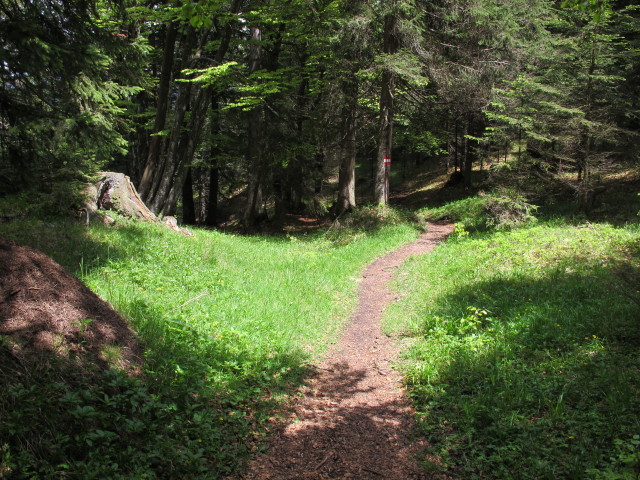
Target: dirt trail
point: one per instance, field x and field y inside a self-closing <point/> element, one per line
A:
<point x="354" y="419"/>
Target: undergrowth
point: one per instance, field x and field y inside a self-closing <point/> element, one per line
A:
<point x="502" y="209"/>
<point x="229" y="324"/>
<point x="524" y="349"/>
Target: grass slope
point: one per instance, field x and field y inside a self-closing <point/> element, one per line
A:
<point x="524" y="358"/>
<point x="229" y="324"/>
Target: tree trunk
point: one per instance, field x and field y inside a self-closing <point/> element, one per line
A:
<point x="183" y="142"/>
<point x="587" y="139"/>
<point x="188" y="206"/>
<point x="190" y="139"/>
<point x="164" y="172"/>
<point x="215" y="129"/>
<point x="212" y="202"/>
<point x="386" y="113"/>
<point x="347" y="178"/>
<point x="114" y="191"/>
<point x="254" y="208"/>
<point x="468" y="159"/>
<point x="456" y="158"/>
<point x="162" y="105"/>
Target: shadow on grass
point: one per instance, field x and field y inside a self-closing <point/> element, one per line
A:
<point x="198" y="409"/>
<point x="538" y="380"/>
<point x="74" y="246"/>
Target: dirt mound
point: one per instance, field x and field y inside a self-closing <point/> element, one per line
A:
<point x="46" y="310"/>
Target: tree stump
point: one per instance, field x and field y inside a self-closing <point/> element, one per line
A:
<point x="114" y="191"/>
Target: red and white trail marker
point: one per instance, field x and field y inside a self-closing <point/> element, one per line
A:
<point x="387" y="160"/>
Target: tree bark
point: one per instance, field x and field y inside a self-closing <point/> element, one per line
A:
<point x="163" y="173"/>
<point x="468" y="158"/>
<point x="212" y="202"/>
<point x="386" y="113"/>
<point x="114" y="191"/>
<point x="190" y="139"/>
<point x="254" y="208"/>
<point x="188" y="206"/>
<point x="347" y="179"/>
<point x="162" y="106"/>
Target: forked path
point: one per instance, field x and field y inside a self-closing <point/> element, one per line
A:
<point x="354" y="419"/>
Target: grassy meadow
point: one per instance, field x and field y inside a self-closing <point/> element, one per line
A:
<point x="523" y="355"/>
<point x="229" y="324"/>
<point x="521" y="339"/>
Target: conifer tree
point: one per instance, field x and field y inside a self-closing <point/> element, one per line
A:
<point x="64" y="79"/>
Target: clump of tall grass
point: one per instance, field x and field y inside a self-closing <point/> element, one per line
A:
<point x="502" y="209"/>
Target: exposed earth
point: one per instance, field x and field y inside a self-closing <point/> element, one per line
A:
<point x="47" y="312"/>
<point x="353" y="419"/>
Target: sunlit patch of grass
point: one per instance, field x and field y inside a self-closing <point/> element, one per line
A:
<point x="524" y="360"/>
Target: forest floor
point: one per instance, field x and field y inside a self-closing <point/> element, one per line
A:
<point x="352" y="418"/>
<point x="46" y="311"/>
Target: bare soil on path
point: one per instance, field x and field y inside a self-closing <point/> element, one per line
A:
<point x="354" y="420"/>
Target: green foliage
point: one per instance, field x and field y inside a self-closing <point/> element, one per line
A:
<point x="503" y="209"/>
<point x="63" y="93"/>
<point x="524" y="361"/>
<point x="364" y="220"/>
<point x="624" y="464"/>
<point x="210" y="75"/>
<point x="596" y="7"/>
<point x="565" y="116"/>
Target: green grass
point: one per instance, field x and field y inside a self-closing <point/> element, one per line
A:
<point x="229" y="324"/>
<point x="524" y="352"/>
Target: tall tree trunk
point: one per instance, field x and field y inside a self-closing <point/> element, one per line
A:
<point x="162" y="105"/>
<point x="212" y="201"/>
<point x="190" y="140"/>
<point x="468" y="158"/>
<point x="184" y="142"/>
<point x="385" y="143"/>
<point x="587" y="139"/>
<point x="164" y="177"/>
<point x="456" y="158"/>
<point x="188" y="205"/>
<point x="254" y="208"/>
<point x="215" y="128"/>
<point x="164" y="172"/>
<point x="347" y="178"/>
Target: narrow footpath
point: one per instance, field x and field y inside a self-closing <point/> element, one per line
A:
<point x="354" y="420"/>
